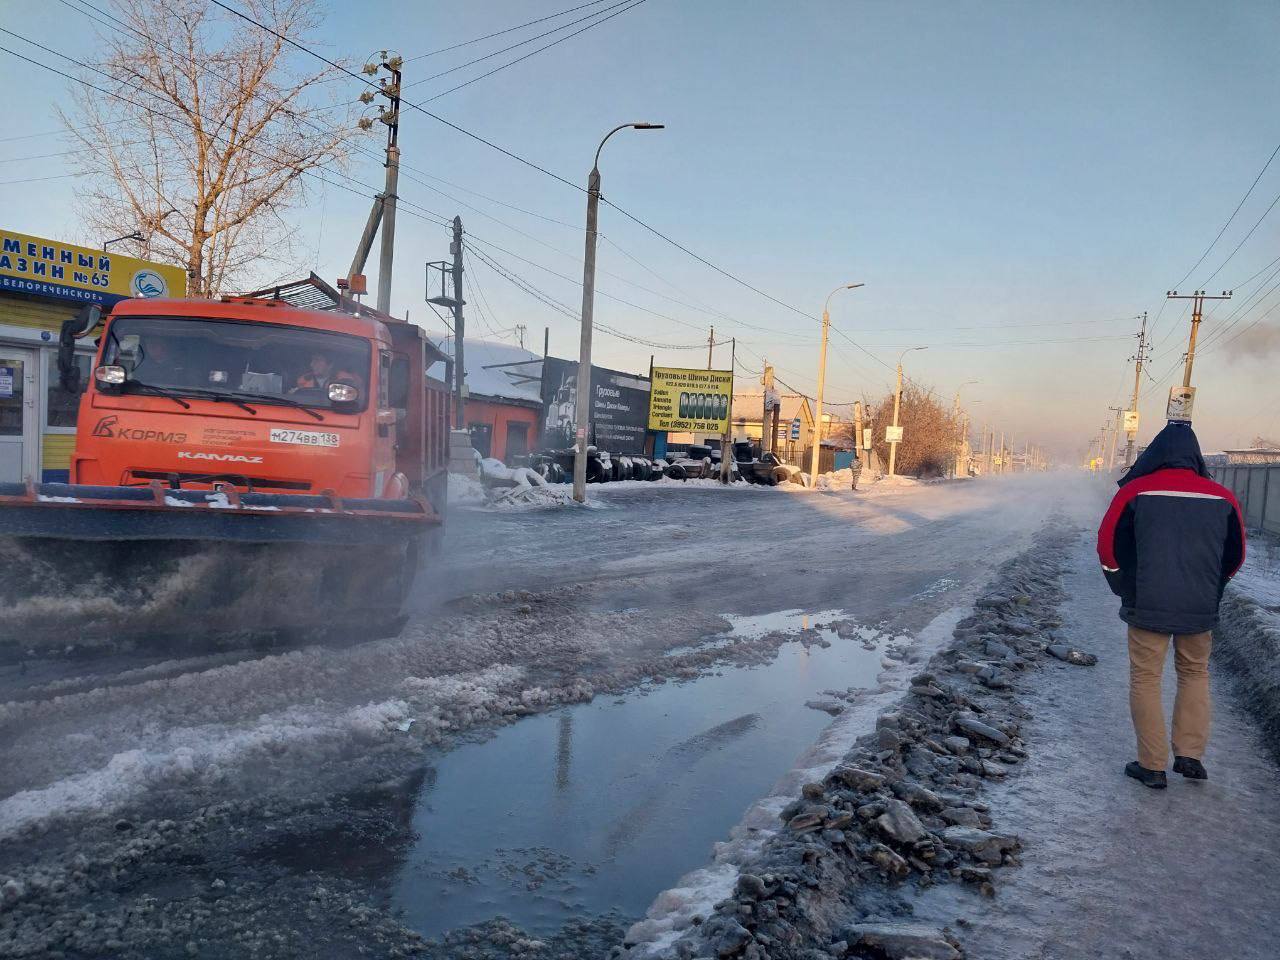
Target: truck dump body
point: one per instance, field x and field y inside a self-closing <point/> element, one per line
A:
<point x="241" y="467"/>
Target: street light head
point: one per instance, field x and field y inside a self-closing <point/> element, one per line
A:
<point x="854" y="286"/>
<point x="650" y="126"/>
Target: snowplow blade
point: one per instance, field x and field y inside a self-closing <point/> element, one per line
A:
<point x="88" y="566"/>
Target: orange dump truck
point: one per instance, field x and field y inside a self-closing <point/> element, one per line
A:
<point x="241" y="466"/>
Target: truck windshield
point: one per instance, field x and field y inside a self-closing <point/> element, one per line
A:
<point x="256" y="361"/>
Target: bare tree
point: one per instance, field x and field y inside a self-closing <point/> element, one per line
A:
<point x="930" y="431"/>
<point x="206" y="145"/>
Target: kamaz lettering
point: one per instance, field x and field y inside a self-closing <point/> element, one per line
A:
<point x="219" y="457"/>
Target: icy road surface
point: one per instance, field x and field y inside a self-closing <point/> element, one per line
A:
<point x="327" y="799"/>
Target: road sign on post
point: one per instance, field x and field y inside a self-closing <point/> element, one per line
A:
<point x="1131" y="422"/>
<point x="795" y="429"/>
<point x="893" y="434"/>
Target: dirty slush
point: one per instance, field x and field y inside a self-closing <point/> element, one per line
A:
<point x="905" y="809"/>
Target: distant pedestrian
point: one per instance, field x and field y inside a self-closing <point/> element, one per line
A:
<point x="856" y="468"/>
<point x="1169" y="543"/>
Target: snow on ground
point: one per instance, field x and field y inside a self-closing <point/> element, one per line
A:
<point x="1111" y="868"/>
<point x="531" y="609"/>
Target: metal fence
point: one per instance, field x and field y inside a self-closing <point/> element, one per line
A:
<point x="1257" y="487"/>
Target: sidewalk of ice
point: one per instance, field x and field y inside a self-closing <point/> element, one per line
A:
<point x="1111" y="868"/>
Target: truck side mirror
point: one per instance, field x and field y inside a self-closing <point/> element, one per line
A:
<point x="86" y="318"/>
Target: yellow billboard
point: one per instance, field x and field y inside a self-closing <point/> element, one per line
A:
<point x="685" y="400"/>
<point x="65" y="271"/>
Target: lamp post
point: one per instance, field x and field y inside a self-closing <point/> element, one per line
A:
<point x="963" y="428"/>
<point x="136" y="235"/>
<point x="582" y="401"/>
<point x="822" y="381"/>
<point x="897" y="403"/>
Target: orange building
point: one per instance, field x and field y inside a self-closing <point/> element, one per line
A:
<point x="502" y="398"/>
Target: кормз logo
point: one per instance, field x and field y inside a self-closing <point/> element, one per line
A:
<point x="103" y="427"/>
<point x="148" y="283"/>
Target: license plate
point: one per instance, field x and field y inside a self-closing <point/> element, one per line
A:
<point x="304" y="438"/>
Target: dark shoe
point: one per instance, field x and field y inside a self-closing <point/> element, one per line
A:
<point x="1190" y="767"/>
<point x="1155" y="779"/>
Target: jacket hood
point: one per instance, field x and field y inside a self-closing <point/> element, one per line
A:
<point x="1174" y="448"/>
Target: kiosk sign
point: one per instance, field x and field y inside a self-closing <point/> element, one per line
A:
<point x="49" y="268"/>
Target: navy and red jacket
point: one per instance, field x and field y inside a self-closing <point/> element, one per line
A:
<point x="1171" y="539"/>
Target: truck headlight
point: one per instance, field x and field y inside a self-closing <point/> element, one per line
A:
<point x="342" y="393"/>
<point x="110" y="376"/>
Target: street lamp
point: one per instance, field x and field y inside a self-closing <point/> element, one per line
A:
<point x="822" y="381"/>
<point x="582" y="402"/>
<point x="136" y="235"/>
<point x="897" y="403"/>
<point x="962" y="426"/>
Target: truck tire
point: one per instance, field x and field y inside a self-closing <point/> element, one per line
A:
<point x="677" y="472"/>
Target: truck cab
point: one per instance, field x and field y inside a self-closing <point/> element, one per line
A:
<point x="252" y="393"/>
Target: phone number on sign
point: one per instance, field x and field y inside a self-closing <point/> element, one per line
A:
<point x="306" y="438"/>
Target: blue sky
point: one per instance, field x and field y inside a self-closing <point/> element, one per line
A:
<point x="1011" y="181"/>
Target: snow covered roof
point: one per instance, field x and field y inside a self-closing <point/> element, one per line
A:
<point x="496" y="369"/>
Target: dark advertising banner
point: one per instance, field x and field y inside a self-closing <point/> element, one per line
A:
<point x="619" y="407"/>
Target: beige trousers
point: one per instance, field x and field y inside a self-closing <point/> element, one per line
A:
<point x="1191" y="708"/>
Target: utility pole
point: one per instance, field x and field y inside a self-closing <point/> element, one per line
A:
<point x="459" y="327"/>
<point x="711" y="342"/>
<point x="769" y="423"/>
<point x="897" y="404"/>
<point x="861" y="452"/>
<point x="1139" y="359"/>
<point x="383" y="213"/>
<point x="392" y="119"/>
<point x="726" y="444"/>
<point x="1115" y="433"/>
<point x="1197" y="299"/>
<point x="1002" y="456"/>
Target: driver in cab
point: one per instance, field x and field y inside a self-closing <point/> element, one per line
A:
<point x="165" y="361"/>
<point x="320" y="373"/>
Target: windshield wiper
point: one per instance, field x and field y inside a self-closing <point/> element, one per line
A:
<point x="287" y="401"/>
<point x="193" y="392"/>
<point x="159" y="392"/>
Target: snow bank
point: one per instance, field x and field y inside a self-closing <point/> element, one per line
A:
<point x="465" y="491"/>
<point x="1247" y="642"/>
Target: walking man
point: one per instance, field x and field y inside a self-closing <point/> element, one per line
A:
<point x="856" y="468"/>
<point x="1169" y="543"/>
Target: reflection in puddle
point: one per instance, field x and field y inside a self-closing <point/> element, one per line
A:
<point x="600" y="806"/>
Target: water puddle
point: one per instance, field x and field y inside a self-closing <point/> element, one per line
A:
<point x="600" y="806"/>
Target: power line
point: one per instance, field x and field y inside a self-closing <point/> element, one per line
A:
<point x="568" y="312"/>
<point x="60" y="176"/>
<point x="413" y="106"/>
<point x="499" y="33"/>
<point x="521" y="43"/>
<point x="1246" y="196"/>
<point x="149" y="109"/>
<point x="525" y="161"/>
<point x="512" y="63"/>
